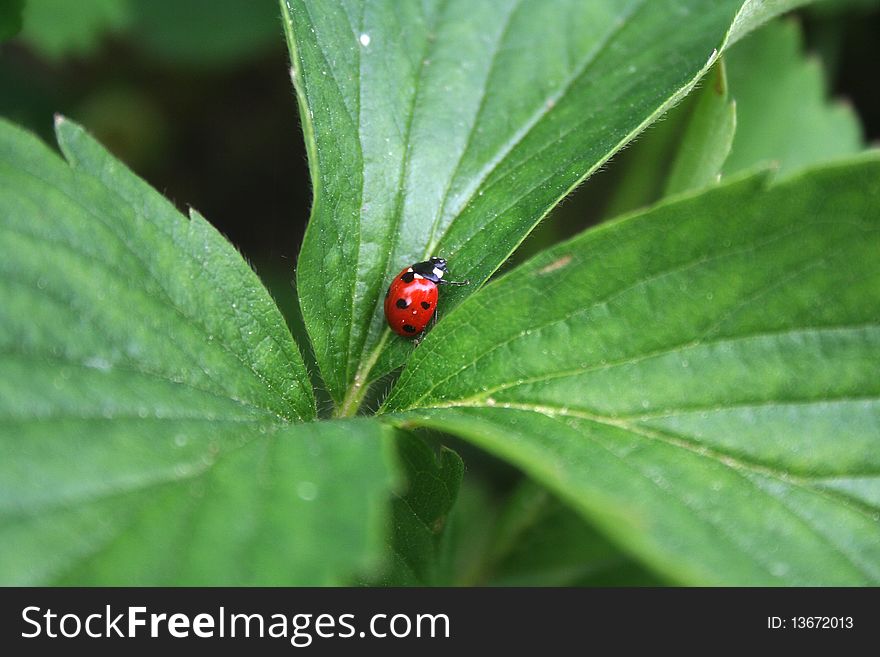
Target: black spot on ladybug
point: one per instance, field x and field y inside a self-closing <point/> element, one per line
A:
<point x="408" y="277"/>
<point x="409" y="329"/>
<point x="401" y="303"/>
<point x="425" y="305"/>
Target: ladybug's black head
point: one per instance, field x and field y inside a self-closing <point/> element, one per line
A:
<point x="432" y="269"/>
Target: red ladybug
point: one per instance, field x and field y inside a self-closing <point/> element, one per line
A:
<point x="411" y="299"/>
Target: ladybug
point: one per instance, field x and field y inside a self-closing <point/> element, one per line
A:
<point x="411" y="299"/>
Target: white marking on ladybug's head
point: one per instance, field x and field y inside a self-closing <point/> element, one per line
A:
<point x="409" y="268"/>
<point x="417" y="275"/>
<point x="438" y="272"/>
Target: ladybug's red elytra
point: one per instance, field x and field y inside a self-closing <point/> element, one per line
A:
<point x="411" y="299"/>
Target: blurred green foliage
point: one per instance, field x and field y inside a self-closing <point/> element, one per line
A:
<point x="10" y="17"/>
<point x="59" y="27"/>
<point x="192" y="32"/>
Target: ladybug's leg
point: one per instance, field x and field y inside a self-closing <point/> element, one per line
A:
<point x="443" y="282"/>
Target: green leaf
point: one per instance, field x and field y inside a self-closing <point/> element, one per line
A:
<point x="707" y="138"/>
<point x="755" y="13"/>
<point x="699" y="380"/>
<point x="468" y="534"/>
<point x="643" y="170"/>
<point x="787" y="120"/>
<point x="783" y="115"/>
<point x="188" y="493"/>
<point x="685" y="150"/>
<point x="10" y="18"/>
<point x="639" y="173"/>
<point x="542" y="542"/>
<point x="59" y="28"/>
<point x="451" y="128"/>
<point x="420" y="511"/>
<point x="147" y="384"/>
<point x="193" y="310"/>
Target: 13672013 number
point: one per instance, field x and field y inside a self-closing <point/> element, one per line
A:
<point x="821" y="622"/>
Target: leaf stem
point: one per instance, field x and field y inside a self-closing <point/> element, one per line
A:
<point x="354" y="396"/>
